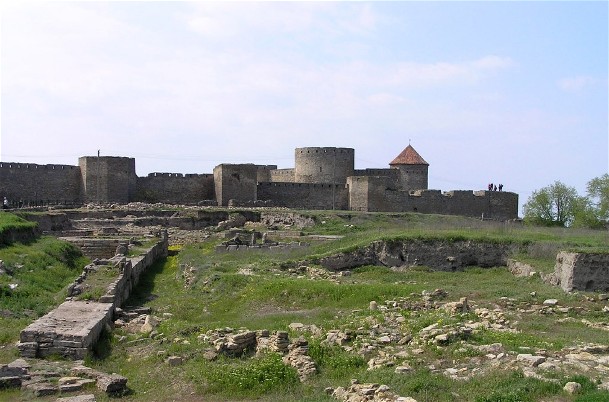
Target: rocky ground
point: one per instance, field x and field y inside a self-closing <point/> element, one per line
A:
<point x="383" y="336"/>
<point x="386" y="334"/>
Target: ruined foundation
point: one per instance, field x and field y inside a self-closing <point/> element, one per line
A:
<point x="73" y="328"/>
<point x="582" y="271"/>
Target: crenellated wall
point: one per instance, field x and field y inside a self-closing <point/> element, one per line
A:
<point x="30" y="183"/>
<point x="281" y="176"/>
<point x="323" y="177"/>
<point x="175" y="188"/>
<point x="374" y="193"/>
<point x="305" y="195"/>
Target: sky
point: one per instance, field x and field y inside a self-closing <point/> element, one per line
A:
<point x="504" y="92"/>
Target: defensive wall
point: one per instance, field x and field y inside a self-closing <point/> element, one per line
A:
<point x="323" y="178"/>
<point x="374" y="193"/>
<point x="32" y="183"/>
<point x="305" y="195"/>
<point x="281" y="175"/>
<point x="264" y="172"/>
<point x="175" y="188"/>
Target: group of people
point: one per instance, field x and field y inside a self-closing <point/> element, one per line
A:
<point x="494" y="187"/>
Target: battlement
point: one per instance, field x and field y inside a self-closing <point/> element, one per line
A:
<point x="325" y="150"/>
<point x="186" y="175"/>
<point x="283" y="172"/>
<point x="376" y="172"/>
<point x="267" y="167"/>
<point x="33" y="166"/>
<point x="323" y="165"/>
<point x="301" y="185"/>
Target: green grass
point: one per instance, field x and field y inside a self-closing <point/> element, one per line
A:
<point x="41" y="270"/>
<point x="220" y="295"/>
<point x="10" y="221"/>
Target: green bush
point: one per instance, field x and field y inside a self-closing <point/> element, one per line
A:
<point x="334" y="362"/>
<point x="251" y="378"/>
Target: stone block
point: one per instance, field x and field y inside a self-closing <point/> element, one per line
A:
<point x="112" y="383"/>
<point x="42" y="389"/>
<point x="10" y="382"/>
<point x="28" y="349"/>
<point x="78" y="398"/>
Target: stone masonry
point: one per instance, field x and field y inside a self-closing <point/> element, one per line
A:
<point x="323" y="178"/>
<point x="73" y="328"/>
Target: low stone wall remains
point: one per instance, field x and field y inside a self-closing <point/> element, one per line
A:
<point x="95" y="248"/>
<point x="74" y="327"/>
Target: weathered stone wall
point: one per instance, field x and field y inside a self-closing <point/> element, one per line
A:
<point x="175" y="188"/>
<point x="30" y="183"/>
<point x="235" y="182"/>
<point x="323" y="165"/>
<point x="370" y="193"/>
<point x="108" y="178"/>
<point x="281" y="176"/>
<point x="402" y="189"/>
<point x="264" y="172"/>
<point x="582" y="271"/>
<point x="305" y="195"/>
<point x="95" y="247"/>
<point x="488" y="204"/>
<point x="413" y="177"/>
<point x="132" y="269"/>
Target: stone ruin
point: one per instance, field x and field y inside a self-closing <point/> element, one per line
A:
<point x="582" y="271"/>
<point x="241" y="240"/>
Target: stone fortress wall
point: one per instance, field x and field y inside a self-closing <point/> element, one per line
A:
<point x="40" y="183"/>
<point x="323" y="178"/>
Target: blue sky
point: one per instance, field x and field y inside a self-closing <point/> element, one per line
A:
<point x="508" y="92"/>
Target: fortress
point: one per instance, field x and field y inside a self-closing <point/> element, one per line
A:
<point x="322" y="178"/>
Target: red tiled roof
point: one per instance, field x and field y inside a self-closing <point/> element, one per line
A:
<point x="408" y="157"/>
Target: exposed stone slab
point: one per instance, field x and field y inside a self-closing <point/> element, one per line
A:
<point x="70" y="330"/>
<point x="78" y="398"/>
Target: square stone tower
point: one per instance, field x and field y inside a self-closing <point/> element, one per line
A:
<point x="236" y="182"/>
<point x="108" y="178"/>
<point x="414" y="171"/>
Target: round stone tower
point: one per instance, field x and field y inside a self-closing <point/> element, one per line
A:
<point x="323" y="165"/>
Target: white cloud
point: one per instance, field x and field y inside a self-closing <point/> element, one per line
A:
<point x="227" y="20"/>
<point x="576" y="84"/>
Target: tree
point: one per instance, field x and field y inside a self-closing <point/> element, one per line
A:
<point x="554" y="205"/>
<point x="598" y="193"/>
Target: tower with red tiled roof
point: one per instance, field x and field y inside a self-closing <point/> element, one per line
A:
<point x="413" y="169"/>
